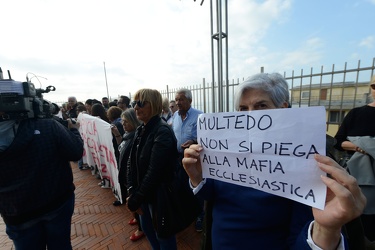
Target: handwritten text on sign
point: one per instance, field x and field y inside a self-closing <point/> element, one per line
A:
<point x="99" y="151"/>
<point x="269" y="150"/>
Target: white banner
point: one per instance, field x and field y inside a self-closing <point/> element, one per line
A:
<point x="269" y="150"/>
<point x="98" y="150"/>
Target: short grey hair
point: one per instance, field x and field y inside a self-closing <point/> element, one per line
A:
<point x="273" y="84"/>
<point x="73" y="98"/>
<point x="186" y="92"/>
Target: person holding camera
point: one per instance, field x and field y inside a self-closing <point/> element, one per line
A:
<point x="36" y="181"/>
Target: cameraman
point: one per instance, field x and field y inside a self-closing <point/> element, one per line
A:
<point x="36" y="181"/>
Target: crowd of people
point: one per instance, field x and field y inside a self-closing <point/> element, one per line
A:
<point x="155" y="140"/>
<point x="130" y="122"/>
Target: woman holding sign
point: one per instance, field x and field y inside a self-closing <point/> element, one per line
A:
<point x="246" y="218"/>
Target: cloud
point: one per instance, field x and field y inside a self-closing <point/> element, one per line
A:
<point x="368" y="42"/>
<point x="151" y="44"/>
<point x="309" y="53"/>
<point x="143" y="43"/>
<point x="249" y="23"/>
<point x="250" y="20"/>
<point x="251" y="60"/>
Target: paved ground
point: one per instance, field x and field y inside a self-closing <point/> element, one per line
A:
<point x="97" y="224"/>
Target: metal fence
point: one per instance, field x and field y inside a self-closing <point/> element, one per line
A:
<point x="204" y="93"/>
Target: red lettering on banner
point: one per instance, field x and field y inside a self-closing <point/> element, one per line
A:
<point x="91" y="128"/>
<point x="112" y="160"/>
<point x="98" y="149"/>
<point x="91" y="143"/>
<point x="94" y="129"/>
<point x="104" y="168"/>
<point x="103" y="151"/>
<point x="109" y="157"/>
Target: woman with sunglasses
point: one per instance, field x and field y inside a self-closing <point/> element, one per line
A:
<point x="360" y="122"/>
<point x="152" y="162"/>
<point x="246" y="218"/>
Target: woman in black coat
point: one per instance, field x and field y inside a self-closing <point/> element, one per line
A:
<point x="152" y="162"/>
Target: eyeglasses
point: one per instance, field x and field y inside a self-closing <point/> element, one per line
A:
<point x="139" y="103"/>
<point x="372" y="86"/>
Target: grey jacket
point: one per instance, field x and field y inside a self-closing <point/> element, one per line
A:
<point x="362" y="167"/>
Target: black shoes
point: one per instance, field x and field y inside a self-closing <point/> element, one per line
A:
<point x="117" y="203"/>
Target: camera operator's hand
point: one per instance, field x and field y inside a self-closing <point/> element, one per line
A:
<point x="73" y="124"/>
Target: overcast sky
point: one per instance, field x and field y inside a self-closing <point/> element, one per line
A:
<point x="155" y="43"/>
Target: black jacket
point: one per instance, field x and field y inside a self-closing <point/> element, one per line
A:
<point x="153" y="159"/>
<point x="36" y="176"/>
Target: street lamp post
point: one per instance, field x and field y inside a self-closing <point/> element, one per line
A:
<point x="106" y="83"/>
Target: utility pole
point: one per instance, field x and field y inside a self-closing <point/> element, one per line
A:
<point x="106" y="83"/>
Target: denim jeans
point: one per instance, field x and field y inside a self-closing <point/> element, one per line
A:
<point x="51" y="230"/>
<point x="80" y="163"/>
<point x="148" y="228"/>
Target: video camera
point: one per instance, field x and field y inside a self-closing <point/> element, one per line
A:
<point x="21" y="100"/>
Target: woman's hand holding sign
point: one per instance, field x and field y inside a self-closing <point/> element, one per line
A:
<point x="273" y="174"/>
<point x="344" y="202"/>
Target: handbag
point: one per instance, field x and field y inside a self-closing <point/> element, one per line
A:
<point x="175" y="209"/>
<point x="343" y="161"/>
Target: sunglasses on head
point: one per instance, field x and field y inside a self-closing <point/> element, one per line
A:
<point x="372" y="86"/>
<point x="139" y="103"/>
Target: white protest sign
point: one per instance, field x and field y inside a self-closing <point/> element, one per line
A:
<point x="269" y="150"/>
<point x="99" y="151"/>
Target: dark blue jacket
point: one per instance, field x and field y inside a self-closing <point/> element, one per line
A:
<point x="35" y="172"/>
<point x="246" y="218"/>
